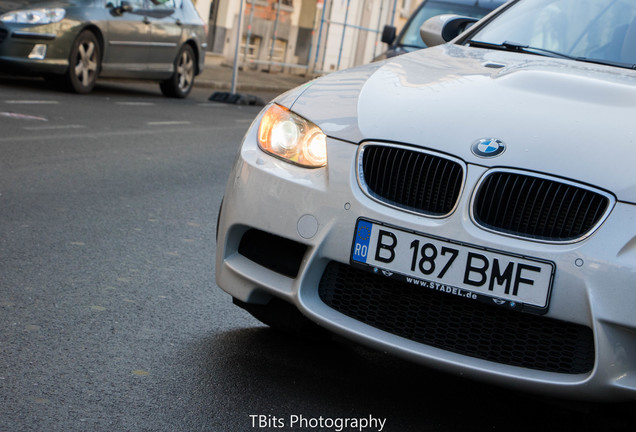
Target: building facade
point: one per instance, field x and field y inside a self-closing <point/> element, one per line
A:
<point x="315" y="36"/>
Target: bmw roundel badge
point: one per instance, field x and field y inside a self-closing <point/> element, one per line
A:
<point x="488" y="147"/>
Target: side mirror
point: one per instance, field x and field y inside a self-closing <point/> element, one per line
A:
<point x="388" y="34"/>
<point x="444" y="28"/>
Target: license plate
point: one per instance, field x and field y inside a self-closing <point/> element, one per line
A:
<point x="513" y="281"/>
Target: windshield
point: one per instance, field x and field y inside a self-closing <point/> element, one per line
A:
<point x="603" y="30"/>
<point x="411" y="36"/>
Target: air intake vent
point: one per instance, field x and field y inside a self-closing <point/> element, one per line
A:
<point x="459" y="325"/>
<point x="538" y="208"/>
<point x="410" y="179"/>
<point x="275" y="253"/>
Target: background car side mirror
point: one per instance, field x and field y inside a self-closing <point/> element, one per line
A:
<point x="388" y="34"/>
<point x="444" y="28"/>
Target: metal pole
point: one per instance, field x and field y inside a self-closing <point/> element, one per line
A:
<point x="353" y="26"/>
<point x="313" y="39"/>
<point x="344" y="30"/>
<point x="377" y="35"/>
<point x="327" y="34"/>
<point x="322" y="20"/>
<point x="249" y="32"/>
<point x="324" y="52"/>
<point x="236" y="48"/>
<point x="393" y="14"/>
<point x="271" y="51"/>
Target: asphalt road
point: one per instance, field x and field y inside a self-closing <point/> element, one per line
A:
<point x="110" y="319"/>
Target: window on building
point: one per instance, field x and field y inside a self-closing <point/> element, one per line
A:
<point x="253" y="48"/>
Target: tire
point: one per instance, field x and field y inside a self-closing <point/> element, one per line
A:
<point x="84" y="63"/>
<point x="182" y="80"/>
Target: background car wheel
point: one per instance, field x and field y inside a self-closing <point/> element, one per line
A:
<point x="181" y="81"/>
<point x="84" y="63"/>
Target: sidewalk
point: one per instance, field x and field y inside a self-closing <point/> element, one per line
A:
<point x="218" y="76"/>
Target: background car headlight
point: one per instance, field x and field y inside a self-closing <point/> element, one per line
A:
<point x="34" y="16"/>
<point x="291" y="137"/>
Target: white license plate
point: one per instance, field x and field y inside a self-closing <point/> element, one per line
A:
<point x="509" y="280"/>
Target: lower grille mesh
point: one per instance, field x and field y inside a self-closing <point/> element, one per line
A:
<point x="458" y="325"/>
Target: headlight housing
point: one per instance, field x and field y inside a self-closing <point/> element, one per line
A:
<point x="34" y="16"/>
<point x="290" y="137"/>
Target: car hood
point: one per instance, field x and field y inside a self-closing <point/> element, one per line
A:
<point x="13" y="5"/>
<point x="559" y="117"/>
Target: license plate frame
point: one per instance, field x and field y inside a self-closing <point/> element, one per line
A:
<point x="509" y="285"/>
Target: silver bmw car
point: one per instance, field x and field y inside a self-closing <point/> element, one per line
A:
<point x="470" y="207"/>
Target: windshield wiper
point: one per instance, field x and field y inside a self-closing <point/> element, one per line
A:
<point x="517" y="47"/>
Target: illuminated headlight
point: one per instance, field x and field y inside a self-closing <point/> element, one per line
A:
<point x="291" y="137"/>
<point x="34" y="16"/>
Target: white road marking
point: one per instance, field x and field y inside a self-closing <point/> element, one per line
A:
<point x="168" y="123"/>
<point x="32" y="102"/>
<point x="136" y="103"/>
<point x="59" y="127"/>
<point x="112" y="134"/>
<point x="21" y="116"/>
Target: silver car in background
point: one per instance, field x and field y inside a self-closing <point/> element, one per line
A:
<point x="75" y="41"/>
<point x="470" y="207"/>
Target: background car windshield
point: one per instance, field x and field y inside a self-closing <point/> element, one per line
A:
<point x="592" y="29"/>
<point x="411" y="36"/>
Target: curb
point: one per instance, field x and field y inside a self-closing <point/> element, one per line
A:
<point x="219" y="85"/>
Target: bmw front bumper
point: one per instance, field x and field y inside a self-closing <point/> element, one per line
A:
<point x="307" y="217"/>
